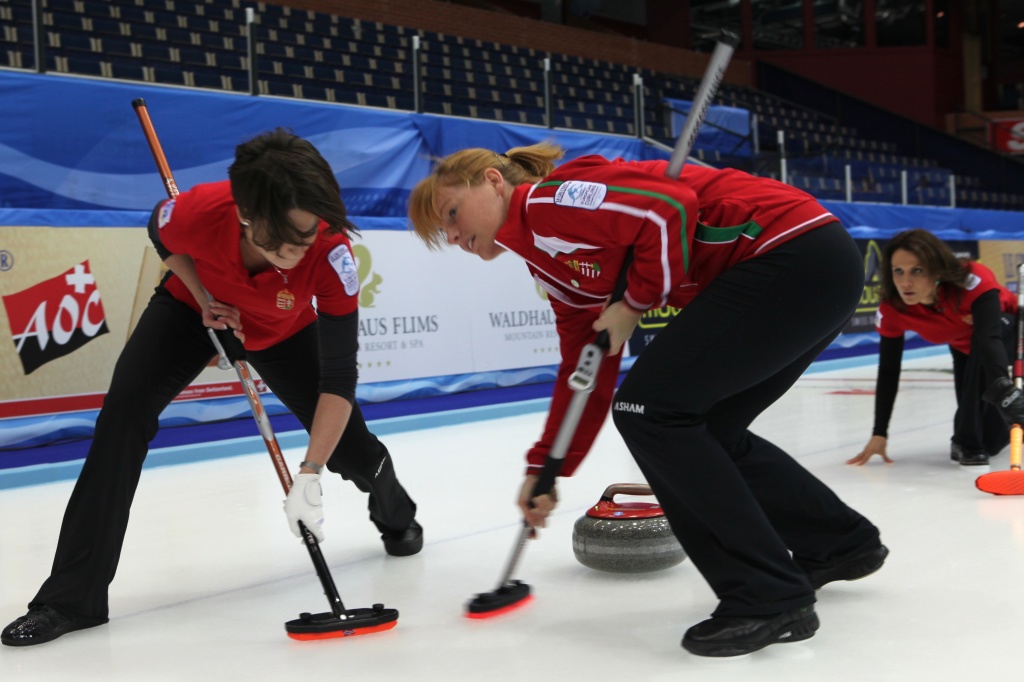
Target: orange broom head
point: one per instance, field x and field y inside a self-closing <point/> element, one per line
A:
<point x="1002" y="482"/>
<point x="346" y="632"/>
<point x="500" y="611"/>
<point x="1007" y="482"/>
<point x="309" y="627"/>
<point x="506" y="598"/>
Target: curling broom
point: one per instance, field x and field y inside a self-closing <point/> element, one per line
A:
<point x="1011" y="482"/>
<point x="510" y="594"/>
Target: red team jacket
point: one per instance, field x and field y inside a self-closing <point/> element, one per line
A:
<point x="947" y="322"/>
<point x="203" y="223"/>
<point x="574" y="229"/>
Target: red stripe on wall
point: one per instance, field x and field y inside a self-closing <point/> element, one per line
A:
<point x="35" y="407"/>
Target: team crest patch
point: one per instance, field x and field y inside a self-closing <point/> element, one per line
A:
<point x="580" y="194"/>
<point x="164" y="216"/>
<point x="587" y="268"/>
<point x="344" y="264"/>
<point x="972" y="281"/>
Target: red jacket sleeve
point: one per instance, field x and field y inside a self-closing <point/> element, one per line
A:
<point x="574" y="332"/>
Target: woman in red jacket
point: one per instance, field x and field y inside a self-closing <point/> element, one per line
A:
<point x="765" y="277"/>
<point x="928" y="290"/>
<point x="248" y="254"/>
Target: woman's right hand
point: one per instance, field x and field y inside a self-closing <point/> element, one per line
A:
<point x="875" y="446"/>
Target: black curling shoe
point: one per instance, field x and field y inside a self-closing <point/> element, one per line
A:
<point x="970" y="458"/>
<point x="859" y="565"/>
<point x="956" y="451"/>
<point x="404" y="543"/>
<point x="967" y="457"/>
<point x="39" y="626"/>
<point x="735" y="636"/>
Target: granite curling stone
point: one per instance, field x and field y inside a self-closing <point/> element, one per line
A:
<point x="626" y="537"/>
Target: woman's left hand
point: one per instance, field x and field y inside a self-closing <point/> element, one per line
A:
<point x="618" y="320"/>
<point x="224" y="316"/>
<point x="535" y="514"/>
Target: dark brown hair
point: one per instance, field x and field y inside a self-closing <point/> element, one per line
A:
<point x="277" y="171"/>
<point x="949" y="272"/>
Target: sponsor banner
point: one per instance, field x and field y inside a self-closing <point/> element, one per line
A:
<point x="513" y="324"/>
<point x="648" y="327"/>
<point x="70" y="298"/>
<point x="410" y="323"/>
<point x="55" y="317"/>
<point x="1002" y="257"/>
<point x="67" y="298"/>
<point x="430" y="313"/>
<point x="1008" y="135"/>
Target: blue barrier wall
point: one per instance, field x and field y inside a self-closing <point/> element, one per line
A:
<point x="72" y="153"/>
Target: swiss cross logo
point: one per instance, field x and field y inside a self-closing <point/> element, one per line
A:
<point x="55" y="317"/>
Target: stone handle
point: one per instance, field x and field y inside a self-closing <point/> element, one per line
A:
<point x="625" y="489"/>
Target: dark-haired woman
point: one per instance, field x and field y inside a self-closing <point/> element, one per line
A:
<point x="248" y="254"/>
<point x="928" y="290"/>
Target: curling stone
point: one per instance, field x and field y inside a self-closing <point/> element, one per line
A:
<point x="625" y="537"/>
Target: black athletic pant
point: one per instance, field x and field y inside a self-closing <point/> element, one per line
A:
<point x="978" y="425"/>
<point x="167" y="350"/>
<point x="737" y="503"/>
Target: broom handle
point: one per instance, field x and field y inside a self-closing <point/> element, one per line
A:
<point x="245" y="378"/>
<point x="1016" y="431"/>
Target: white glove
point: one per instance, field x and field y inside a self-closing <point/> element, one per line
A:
<point x="303" y="504"/>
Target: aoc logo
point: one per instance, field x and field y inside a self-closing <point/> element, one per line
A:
<point x="369" y="281"/>
<point x="55" y="317"/>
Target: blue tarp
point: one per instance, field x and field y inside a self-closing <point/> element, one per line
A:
<point x="73" y="143"/>
<point x="873" y="221"/>
<point x="725" y="130"/>
<point x="866" y="221"/>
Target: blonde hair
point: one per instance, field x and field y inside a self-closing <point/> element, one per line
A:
<point x="519" y="166"/>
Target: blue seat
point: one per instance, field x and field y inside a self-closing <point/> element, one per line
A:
<point x="229" y="60"/>
<point x="120" y="46"/>
<point x="72" y="41"/>
<point x="62" y="6"/>
<point x="127" y="70"/>
<point x="77" y="64"/>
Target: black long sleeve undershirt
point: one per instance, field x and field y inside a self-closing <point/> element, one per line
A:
<point x="890" y="362"/>
<point x="339" y="346"/>
<point x="988" y="336"/>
